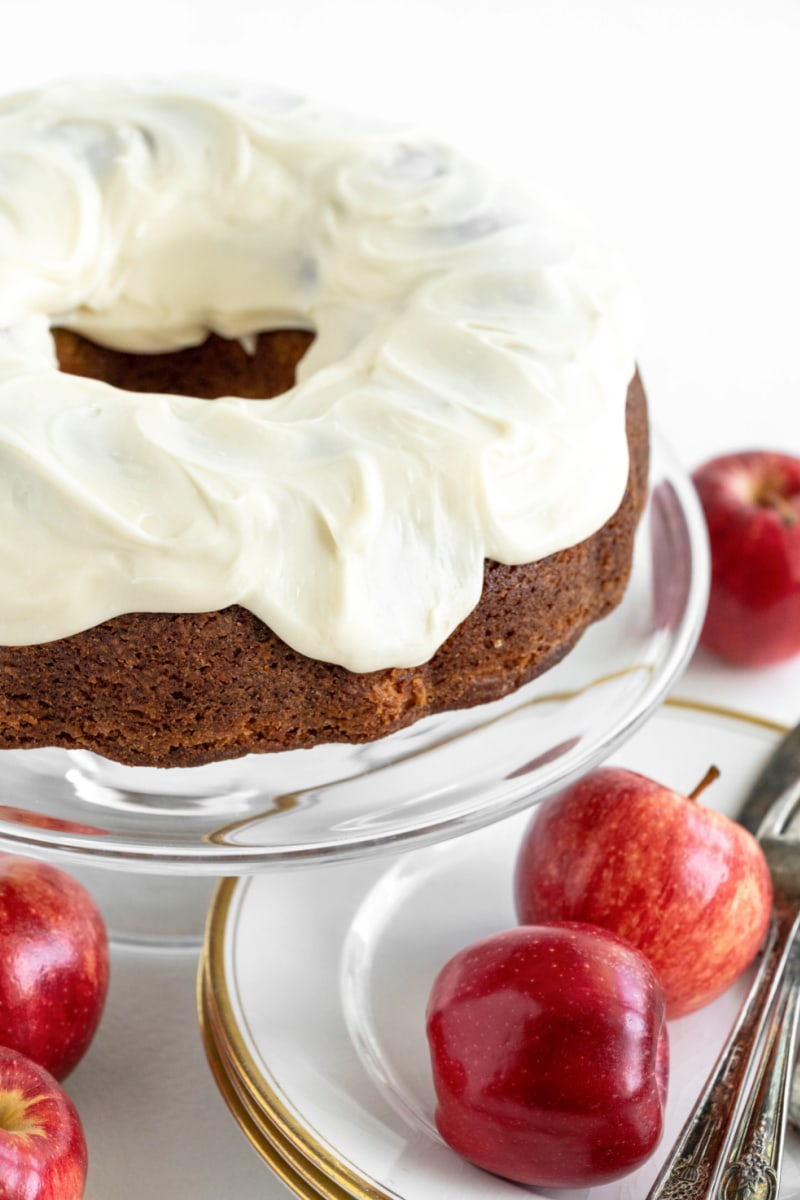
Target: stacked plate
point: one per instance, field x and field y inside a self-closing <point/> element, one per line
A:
<point x="313" y="986"/>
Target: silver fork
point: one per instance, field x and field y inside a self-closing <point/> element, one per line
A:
<point x="731" y="1146"/>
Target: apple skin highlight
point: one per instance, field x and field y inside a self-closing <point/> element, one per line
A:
<point x="54" y="964"/>
<point x="686" y="885"/>
<point x="550" y="1056"/>
<point x="751" y="503"/>
<point x="42" y="1146"/>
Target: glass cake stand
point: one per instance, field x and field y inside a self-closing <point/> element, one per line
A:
<point x="150" y="843"/>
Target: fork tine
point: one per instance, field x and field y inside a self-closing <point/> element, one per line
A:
<point x="783" y="814"/>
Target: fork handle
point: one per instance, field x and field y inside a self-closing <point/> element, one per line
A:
<point x="698" y="1156"/>
<point x="753" y="1166"/>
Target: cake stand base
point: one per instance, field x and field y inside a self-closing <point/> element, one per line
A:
<point x="151" y="911"/>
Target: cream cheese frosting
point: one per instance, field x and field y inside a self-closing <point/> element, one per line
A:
<point x="463" y="399"/>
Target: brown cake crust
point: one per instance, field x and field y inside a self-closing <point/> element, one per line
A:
<point x="185" y="689"/>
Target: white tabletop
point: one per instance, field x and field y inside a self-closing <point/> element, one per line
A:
<point x="674" y="127"/>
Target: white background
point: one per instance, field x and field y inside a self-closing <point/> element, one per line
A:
<point x="675" y="127"/>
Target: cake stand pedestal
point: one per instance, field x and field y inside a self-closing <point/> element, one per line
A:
<point x="150" y="911"/>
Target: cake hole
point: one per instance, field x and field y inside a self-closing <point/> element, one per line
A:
<point x="218" y="367"/>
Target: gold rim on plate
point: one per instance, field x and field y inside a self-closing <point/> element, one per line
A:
<point x="265" y="1139"/>
<point x="292" y="1167"/>
<point x="263" y="1104"/>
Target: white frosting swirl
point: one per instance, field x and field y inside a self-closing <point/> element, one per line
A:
<point x="464" y="397"/>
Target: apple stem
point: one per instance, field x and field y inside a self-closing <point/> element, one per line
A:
<point x="711" y="774"/>
<point x="782" y="505"/>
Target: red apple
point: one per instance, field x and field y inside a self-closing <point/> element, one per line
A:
<point x="549" y="1053"/>
<point x="53" y="964"/>
<point x="751" y="503"/>
<point x="37" y="820"/>
<point x="686" y="885"/>
<point x="42" y="1147"/>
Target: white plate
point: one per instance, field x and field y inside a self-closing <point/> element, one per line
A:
<point x="318" y="982"/>
<point x="445" y="775"/>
